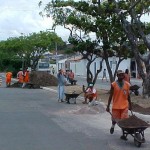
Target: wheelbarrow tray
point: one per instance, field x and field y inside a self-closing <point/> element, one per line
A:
<point x="133" y="129"/>
<point x="136" y="131"/>
<point x="71" y="95"/>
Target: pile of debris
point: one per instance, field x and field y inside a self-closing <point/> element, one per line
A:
<point x="37" y="79"/>
<point x="140" y="109"/>
<point x="95" y="109"/>
<point x="43" y="78"/>
<point x="132" y="121"/>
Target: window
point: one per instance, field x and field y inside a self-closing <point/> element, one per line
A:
<point x="43" y="65"/>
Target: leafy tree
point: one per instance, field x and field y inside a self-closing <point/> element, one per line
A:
<point x="31" y="48"/>
<point x="136" y="31"/>
<point x="92" y="17"/>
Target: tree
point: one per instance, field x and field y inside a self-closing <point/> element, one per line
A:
<point x="31" y="47"/>
<point x="91" y="17"/>
<point x="136" y="31"/>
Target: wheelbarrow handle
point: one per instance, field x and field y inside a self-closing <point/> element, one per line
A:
<point x="132" y="112"/>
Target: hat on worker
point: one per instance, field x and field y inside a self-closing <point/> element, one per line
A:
<point x="120" y="72"/>
<point x="90" y="84"/>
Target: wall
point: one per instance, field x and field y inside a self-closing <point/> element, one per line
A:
<point x="79" y="67"/>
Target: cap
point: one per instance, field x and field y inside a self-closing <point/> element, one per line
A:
<point x="90" y="84"/>
<point x="120" y="72"/>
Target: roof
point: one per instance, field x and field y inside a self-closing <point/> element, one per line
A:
<point x="75" y="58"/>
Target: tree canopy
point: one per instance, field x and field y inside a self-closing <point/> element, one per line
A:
<point x="117" y="25"/>
<point x="30" y="47"/>
<point x="91" y="17"/>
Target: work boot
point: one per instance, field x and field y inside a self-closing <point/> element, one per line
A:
<point x="111" y="130"/>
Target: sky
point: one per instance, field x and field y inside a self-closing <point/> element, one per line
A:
<point x="22" y="17"/>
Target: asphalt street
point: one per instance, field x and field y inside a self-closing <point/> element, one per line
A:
<point x="32" y="119"/>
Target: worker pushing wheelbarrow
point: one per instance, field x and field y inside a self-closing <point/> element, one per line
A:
<point x="121" y="103"/>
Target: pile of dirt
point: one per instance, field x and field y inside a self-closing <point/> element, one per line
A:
<point x="133" y="122"/>
<point x="37" y="79"/>
<point x="140" y="109"/>
<point x="90" y="110"/>
<point x="43" y="78"/>
<point x="16" y="85"/>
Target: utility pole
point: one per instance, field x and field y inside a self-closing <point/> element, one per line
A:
<point x="56" y="51"/>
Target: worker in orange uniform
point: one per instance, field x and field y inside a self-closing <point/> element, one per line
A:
<point x="8" y="79"/>
<point x="71" y="76"/>
<point x="89" y="94"/>
<point x="20" y="76"/>
<point x="121" y="103"/>
<point x="25" y="78"/>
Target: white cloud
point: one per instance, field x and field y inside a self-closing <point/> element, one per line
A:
<point x="22" y="16"/>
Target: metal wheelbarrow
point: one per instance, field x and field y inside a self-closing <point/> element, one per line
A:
<point x="71" y="96"/>
<point x="133" y="126"/>
<point x="135" y="88"/>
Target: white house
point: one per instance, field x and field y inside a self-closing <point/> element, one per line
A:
<point x="78" y="65"/>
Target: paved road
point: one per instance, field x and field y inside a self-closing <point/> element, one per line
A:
<point x="32" y="119"/>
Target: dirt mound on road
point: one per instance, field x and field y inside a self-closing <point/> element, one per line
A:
<point x="37" y="79"/>
<point x="43" y="78"/>
<point x="99" y="108"/>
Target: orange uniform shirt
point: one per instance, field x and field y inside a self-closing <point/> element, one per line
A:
<point x="8" y="77"/>
<point x="120" y="95"/>
<point x="127" y="77"/>
<point x="71" y="75"/>
<point x="26" y="77"/>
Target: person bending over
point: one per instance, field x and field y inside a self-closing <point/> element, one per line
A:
<point x="89" y="94"/>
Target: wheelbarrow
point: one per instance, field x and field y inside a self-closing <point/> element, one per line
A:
<point x="134" y="89"/>
<point x="135" y="128"/>
<point x="71" y="96"/>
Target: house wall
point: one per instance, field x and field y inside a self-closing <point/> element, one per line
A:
<point x="61" y="64"/>
<point x="79" y="67"/>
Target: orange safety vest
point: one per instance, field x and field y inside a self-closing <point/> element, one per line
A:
<point x="26" y="77"/>
<point x="120" y="95"/>
<point x="8" y="77"/>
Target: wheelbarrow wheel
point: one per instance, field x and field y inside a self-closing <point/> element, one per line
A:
<point x="137" y="139"/>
